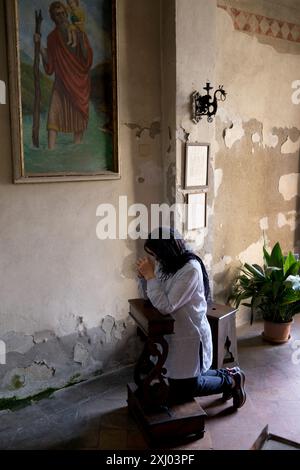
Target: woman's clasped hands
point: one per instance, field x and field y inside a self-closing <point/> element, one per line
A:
<point x="145" y="268"/>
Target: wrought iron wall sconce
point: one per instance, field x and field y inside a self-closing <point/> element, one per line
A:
<point x="206" y="105"/>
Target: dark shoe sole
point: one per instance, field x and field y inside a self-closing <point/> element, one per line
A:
<point x="226" y="396"/>
<point x="242" y="391"/>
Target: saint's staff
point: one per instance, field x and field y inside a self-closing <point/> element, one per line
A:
<point x="37" y="84"/>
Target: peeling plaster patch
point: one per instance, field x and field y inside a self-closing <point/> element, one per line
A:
<point x="171" y="175"/>
<point x="107" y="325"/>
<point x="255" y="138"/>
<point x="252" y="254"/>
<point x="196" y="240"/>
<point x="270" y="139"/>
<point x="264" y="223"/>
<point x="2" y="92"/>
<point x="170" y="139"/>
<point x="43" y="336"/>
<point x="207" y="260"/>
<point x="39" y="371"/>
<point x="17" y="342"/>
<point x="282" y="220"/>
<point x="154" y="129"/>
<point x="51" y="363"/>
<point x="182" y="134"/>
<point x="234" y="133"/>
<point x="118" y="329"/>
<point x="218" y="176"/>
<point x="294" y="134"/>
<point x="290" y="147"/>
<point x="288" y="186"/>
<point x="17" y="382"/>
<point x="19" y="377"/>
<point x="10" y="378"/>
<point x="220" y="266"/>
<point x="44" y="363"/>
<point x="81" y="354"/>
<point x="81" y="328"/>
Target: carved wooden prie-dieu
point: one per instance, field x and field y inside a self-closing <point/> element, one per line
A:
<point x="161" y="418"/>
<point x="149" y="373"/>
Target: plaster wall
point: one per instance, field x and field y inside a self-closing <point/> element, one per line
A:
<point x="257" y="135"/>
<point x="63" y="312"/>
<point x="255" y="138"/>
<point x="64" y="292"/>
<point x="195" y="66"/>
<point x="168" y="98"/>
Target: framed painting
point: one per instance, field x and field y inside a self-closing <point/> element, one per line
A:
<point x="63" y="89"/>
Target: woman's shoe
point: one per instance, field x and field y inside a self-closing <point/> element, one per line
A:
<point x="238" y="392"/>
<point x="228" y="394"/>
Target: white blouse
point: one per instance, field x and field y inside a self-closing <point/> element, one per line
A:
<point x="182" y="296"/>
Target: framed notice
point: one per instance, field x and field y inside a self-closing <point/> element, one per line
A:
<point x="196" y="213"/>
<point x="196" y="166"/>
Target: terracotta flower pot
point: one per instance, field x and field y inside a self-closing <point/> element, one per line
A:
<point x="277" y="332"/>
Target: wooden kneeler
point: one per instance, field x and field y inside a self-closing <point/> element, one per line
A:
<point x="161" y="420"/>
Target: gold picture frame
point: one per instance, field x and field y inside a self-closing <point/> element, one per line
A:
<point x="88" y="105"/>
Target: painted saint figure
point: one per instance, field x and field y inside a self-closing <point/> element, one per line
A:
<point x="69" y="104"/>
<point x="77" y="17"/>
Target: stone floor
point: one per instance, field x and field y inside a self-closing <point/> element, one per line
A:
<point x="93" y="414"/>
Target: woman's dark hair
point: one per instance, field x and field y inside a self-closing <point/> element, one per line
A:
<point x="171" y="252"/>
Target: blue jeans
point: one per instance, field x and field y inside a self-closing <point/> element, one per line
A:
<point x="211" y="382"/>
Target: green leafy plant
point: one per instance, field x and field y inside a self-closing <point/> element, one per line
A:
<point x="273" y="288"/>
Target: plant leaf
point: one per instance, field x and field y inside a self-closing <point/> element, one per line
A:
<point x="292" y="270"/>
<point x="254" y="271"/>
<point x="289" y="261"/>
<point x="267" y="257"/>
<point x="276" y="258"/>
<point x="259" y="268"/>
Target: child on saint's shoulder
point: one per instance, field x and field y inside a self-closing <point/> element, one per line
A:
<point x="77" y="17"/>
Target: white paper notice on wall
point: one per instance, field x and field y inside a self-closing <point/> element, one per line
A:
<point x="196" y="165"/>
<point x="2" y="92"/>
<point x="196" y="216"/>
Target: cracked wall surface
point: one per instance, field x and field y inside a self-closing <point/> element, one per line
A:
<point x="64" y="293"/>
<point x="253" y="181"/>
<point x="43" y="360"/>
<point x="195" y="66"/>
<point x="60" y="286"/>
<point x="257" y="134"/>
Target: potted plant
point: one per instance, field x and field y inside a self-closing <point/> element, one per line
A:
<point x="273" y="289"/>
